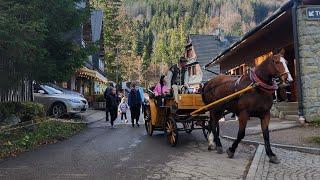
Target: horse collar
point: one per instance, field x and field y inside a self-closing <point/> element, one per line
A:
<point x="262" y="85"/>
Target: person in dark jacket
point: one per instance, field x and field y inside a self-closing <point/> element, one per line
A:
<point x="108" y="101"/>
<point x="134" y="102"/>
<point x="113" y="106"/>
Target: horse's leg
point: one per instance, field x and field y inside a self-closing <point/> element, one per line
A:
<point x="214" y="131"/>
<point x="210" y="136"/>
<point x="243" y="118"/>
<point x="265" y="130"/>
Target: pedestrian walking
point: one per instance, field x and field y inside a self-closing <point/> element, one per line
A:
<point x="123" y="107"/>
<point x="112" y="105"/>
<point x="108" y="100"/>
<point x="134" y="102"/>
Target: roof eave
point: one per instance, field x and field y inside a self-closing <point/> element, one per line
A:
<point x="286" y="6"/>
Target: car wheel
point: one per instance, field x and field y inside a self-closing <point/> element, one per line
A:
<point x="58" y="110"/>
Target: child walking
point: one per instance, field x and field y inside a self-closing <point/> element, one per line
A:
<point x="123" y="107"/>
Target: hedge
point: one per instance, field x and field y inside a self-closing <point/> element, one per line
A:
<point x="25" y="111"/>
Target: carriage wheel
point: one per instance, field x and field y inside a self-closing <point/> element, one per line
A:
<point x="148" y="123"/>
<point x="205" y="129"/>
<point x="171" y="131"/>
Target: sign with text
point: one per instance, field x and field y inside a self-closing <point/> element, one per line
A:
<point x="313" y="13"/>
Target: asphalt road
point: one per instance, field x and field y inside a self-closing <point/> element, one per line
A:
<point x="126" y="153"/>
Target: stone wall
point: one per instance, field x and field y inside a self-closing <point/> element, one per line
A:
<point x="309" y="50"/>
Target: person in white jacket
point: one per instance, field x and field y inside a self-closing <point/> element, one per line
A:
<point x="123" y="108"/>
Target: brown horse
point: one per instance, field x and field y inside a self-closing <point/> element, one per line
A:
<point x="255" y="103"/>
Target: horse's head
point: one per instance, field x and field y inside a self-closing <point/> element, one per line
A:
<point x="281" y="69"/>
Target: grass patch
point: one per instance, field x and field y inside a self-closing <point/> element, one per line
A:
<point x="28" y="138"/>
<point x="316" y="122"/>
<point x="315" y="139"/>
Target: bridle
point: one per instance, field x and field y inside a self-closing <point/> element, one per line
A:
<point x="270" y="89"/>
<point x="281" y="74"/>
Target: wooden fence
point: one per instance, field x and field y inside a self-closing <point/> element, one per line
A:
<point x="23" y="92"/>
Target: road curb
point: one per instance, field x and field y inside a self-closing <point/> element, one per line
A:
<point x="273" y="130"/>
<point x="288" y="147"/>
<point x="255" y="162"/>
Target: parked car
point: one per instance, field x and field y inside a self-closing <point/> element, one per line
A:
<point x="65" y="91"/>
<point x="56" y="102"/>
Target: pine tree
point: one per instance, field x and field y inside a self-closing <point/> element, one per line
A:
<point x="111" y="36"/>
<point x="37" y="40"/>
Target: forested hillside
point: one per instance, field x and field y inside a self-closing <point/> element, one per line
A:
<point x="152" y="33"/>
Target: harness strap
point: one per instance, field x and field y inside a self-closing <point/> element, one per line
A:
<point x="237" y="82"/>
<point x="262" y="85"/>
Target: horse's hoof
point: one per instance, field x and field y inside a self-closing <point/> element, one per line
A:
<point x="219" y="149"/>
<point x="230" y="154"/>
<point x="274" y="159"/>
<point x="210" y="147"/>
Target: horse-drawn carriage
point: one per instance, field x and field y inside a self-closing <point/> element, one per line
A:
<point x="250" y="95"/>
<point x="190" y="112"/>
<point x="164" y="114"/>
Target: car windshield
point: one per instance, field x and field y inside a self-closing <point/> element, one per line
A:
<point x="51" y="90"/>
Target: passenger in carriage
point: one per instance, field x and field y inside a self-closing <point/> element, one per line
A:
<point x="161" y="88"/>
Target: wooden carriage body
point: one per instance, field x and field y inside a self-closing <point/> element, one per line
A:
<point x="165" y="117"/>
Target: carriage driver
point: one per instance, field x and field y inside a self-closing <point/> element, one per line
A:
<point x="178" y="77"/>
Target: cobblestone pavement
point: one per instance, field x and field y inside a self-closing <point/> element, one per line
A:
<point x="199" y="163"/>
<point x="294" y="166"/>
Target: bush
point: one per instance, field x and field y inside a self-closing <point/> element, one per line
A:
<point x="31" y="111"/>
<point x="25" y="111"/>
<point x="316" y="121"/>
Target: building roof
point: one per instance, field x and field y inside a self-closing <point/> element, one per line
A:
<point x="275" y="30"/>
<point x="208" y="46"/>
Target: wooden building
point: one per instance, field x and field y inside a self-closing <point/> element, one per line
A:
<point x="290" y="28"/>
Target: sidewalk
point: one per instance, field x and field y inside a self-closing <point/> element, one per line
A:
<point x="91" y="116"/>
<point x="293" y="165"/>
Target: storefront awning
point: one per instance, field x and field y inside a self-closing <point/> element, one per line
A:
<point x="92" y="74"/>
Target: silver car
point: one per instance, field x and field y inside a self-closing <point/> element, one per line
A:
<point x="56" y="103"/>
